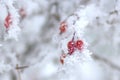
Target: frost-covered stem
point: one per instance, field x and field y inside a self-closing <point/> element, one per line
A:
<point x="106" y="61"/>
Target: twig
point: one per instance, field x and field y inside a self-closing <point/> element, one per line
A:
<point x="19" y="76"/>
<point x="108" y="62"/>
<point x="21" y="67"/>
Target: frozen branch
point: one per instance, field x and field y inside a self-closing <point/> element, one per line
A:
<point x="106" y="61"/>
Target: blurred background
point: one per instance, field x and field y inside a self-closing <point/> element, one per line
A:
<point x="35" y="56"/>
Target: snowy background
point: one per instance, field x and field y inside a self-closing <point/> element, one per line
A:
<point x="30" y="45"/>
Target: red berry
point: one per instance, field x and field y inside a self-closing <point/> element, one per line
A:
<point x="63" y="26"/>
<point x="71" y="47"/>
<point x="8" y="21"/>
<point x="79" y="44"/>
<point x="62" y="60"/>
<point x="71" y="44"/>
<point x="71" y="50"/>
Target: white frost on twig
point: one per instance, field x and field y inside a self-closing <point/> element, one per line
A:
<point x="14" y="29"/>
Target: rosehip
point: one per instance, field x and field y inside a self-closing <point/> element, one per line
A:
<point x="79" y="44"/>
<point x="62" y="58"/>
<point x="71" y="50"/>
<point x="71" y="44"/>
<point x="7" y="21"/>
<point x="63" y="26"/>
<point x="71" y="47"/>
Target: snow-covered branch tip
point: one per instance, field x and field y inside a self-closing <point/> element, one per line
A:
<point x="11" y="22"/>
<point x="106" y="61"/>
<point x="72" y="41"/>
<point x="73" y="46"/>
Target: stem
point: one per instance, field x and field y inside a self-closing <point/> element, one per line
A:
<point x="19" y="76"/>
<point x="108" y="62"/>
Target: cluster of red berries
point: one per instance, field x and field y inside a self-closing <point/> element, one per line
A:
<point x="8" y="21"/>
<point x="72" y="46"/>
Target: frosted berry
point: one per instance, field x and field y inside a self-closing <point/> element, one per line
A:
<point x="8" y="21"/>
<point x="63" y="26"/>
<point x="71" y="50"/>
<point x="79" y="44"/>
<point x="71" y="44"/>
<point x="62" y="58"/>
<point x="71" y="47"/>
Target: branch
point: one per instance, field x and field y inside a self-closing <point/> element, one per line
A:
<point x="21" y="67"/>
<point x="108" y="62"/>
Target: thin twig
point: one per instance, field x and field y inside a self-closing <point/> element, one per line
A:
<point x="19" y="76"/>
<point x="94" y="56"/>
<point x="21" y="67"/>
<point x="108" y="62"/>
